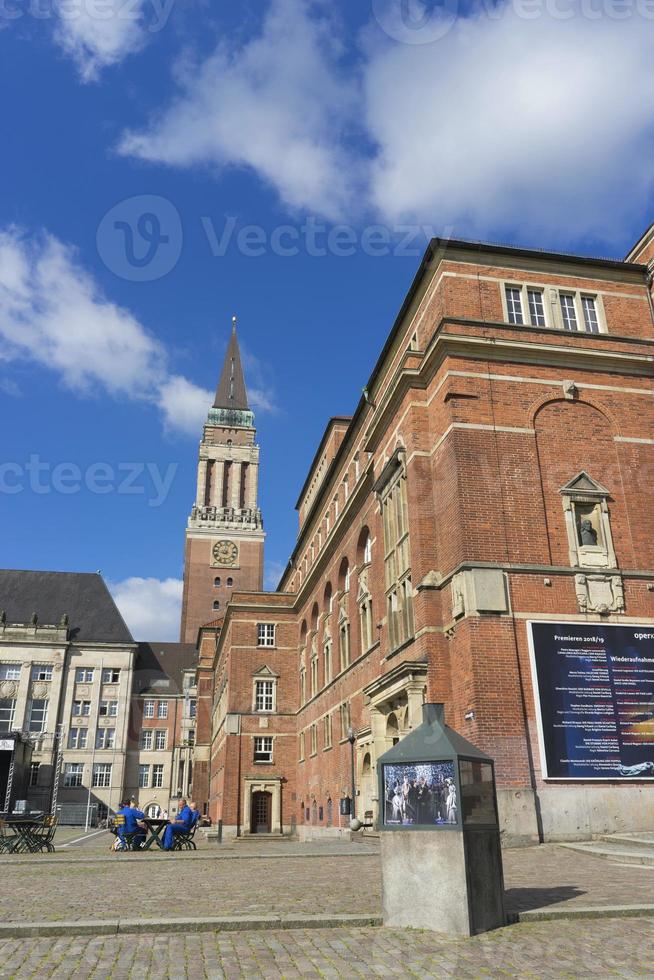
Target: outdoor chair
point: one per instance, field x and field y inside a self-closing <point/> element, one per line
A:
<point x="125" y="838"/>
<point x="45" y="833"/>
<point x="185" y="842"/>
<point x="7" y="837"/>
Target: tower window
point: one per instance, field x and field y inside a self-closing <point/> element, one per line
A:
<point x="216" y="582"/>
<point x="216" y="604"/>
<point x="230" y="582"/>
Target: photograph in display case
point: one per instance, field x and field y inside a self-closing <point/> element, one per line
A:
<point x="420" y="794"/>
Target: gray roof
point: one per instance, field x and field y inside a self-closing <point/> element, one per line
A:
<point x="83" y="596"/>
<point x="231" y="392"/>
<point x="159" y="667"/>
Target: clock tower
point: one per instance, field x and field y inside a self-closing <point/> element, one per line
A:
<point x="224" y="535"/>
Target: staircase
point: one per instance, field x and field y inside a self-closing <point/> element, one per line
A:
<point x="635" y="848"/>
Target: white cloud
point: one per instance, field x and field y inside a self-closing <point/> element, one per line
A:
<point x="100" y="33"/>
<point x="276" y="105"/>
<point x="273" y="571"/>
<point x="151" y="607"/>
<point x="52" y="312"/>
<point x="508" y="123"/>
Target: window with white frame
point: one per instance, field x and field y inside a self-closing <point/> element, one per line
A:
<point x="148" y="709"/>
<point x="568" y="311"/>
<point x="303" y="685"/>
<point x="81" y="708"/>
<point x="190" y="738"/>
<point x="591" y="319"/>
<point x="301" y="747"/>
<point x="266" y="634"/>
<point x="514" y="304"/>
<point x="157" y="776"/>
<point x="102" y="775"/>
<point x="7" y="712"/>
<point x="111" y="675"/>
<point x="147" y="739"/>
<point x="10" y="672"/>
<point x="344" y="644"/>
<point x="263" y="748"/>
<point x="162" y="709"/>
<point x="264" y="695"/>
<point x="144" y="777"/>
<point x="84" y="675"/>
<point x="314" y="739"/>
<point x="160" y="739"/>
<point x="327" y="732"/>
<point x="314" y="674"/>
<point x="367" y="551"/>
<point x="365" y="618"/>
<point x="536" y="307"/>
<point x="327" y="660"/>
<point x="345" y="719"/>
<point x="192" y="707"/>
<point x="42" y="672"/>
<point x="105" y="738"/>
<point x="397" y="562"/>
<point x="37" y="715"/>
<point x="108" y="709"/>
<point x="73" y="774"/>
<point x="34" y="773"/>
<point x="77" y="738"/>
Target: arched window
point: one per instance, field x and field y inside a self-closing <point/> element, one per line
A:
<point x="216" y="582"/>
<point x="216" y="604"/>
<point x="230" y="582"/>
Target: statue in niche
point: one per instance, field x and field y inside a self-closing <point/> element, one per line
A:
<point x="587" y="533"/>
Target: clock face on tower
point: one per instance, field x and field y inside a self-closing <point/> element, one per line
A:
<point x="224" y="553"/>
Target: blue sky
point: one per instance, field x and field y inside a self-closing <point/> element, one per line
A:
<point x="159" y="158"/>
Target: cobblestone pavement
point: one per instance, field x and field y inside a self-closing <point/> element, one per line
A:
<point x="311" y="878"/>
<point x="607" y="948"/>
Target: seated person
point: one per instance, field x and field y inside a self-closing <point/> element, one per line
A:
<point x="196" y="814"/>
<point x="181" y="825"/>
<point x="133" y="825"/>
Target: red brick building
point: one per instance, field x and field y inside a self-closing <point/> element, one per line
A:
<point x="497" y="472"/>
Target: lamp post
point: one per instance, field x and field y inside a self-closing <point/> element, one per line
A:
<point x="352" y="737"/>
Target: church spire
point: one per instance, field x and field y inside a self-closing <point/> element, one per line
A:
<point x="230" y="406"/>
<point x="231" y="392"/>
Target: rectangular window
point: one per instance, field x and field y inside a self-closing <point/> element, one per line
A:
<point x="160" y="739"/>
<point x="314" y="677"/>
<point x="314" y="739"/>
<point x="82" y="708"/>
<point x="263" y="748"/>
<point x="264" y="696"/>
<point x="73" y="774"/>
<point x="514" y="304"/>
<point x="192" y="707"/>
<point x="568" y="311"/>
<point x="190" y="738"/>
<point x="84" y="675"/>
<point x="102" y="775"/>
<point x="266" y="634"/>
<point x="77" y="738"/>
<point x="37" y="715"/>
<point x="42" y="672"/>
<point x="536" y="308"/>
<point x="397" y="561"/>
<point x="303" y="686"/>
<point x="590" y="314"/>
<point x="105" y="738"/>
<point x="301" y="746"/>
<point x="328" y="731"/>
<point x="7" y="710"/>
<point x="157" y="776"/>
<point x="144" y="777"/>
<point x="146" y="738"/>
<point x="9" y="672"/>
<point x="148" y="709"/>
<point x="328" y="662"/>
<point x="111" y="675"/>
<point x="345" y="719"/>
<point x="34" y="773"/>
<point x="162" y="709"/>
<point x="108" y="709"/>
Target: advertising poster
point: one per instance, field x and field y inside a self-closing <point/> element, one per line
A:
<point x="594" y="689"/>
<point x="420" y="793"/>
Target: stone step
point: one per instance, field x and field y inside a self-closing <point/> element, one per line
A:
<point x="260" y="838"/>
<point x="611" y="850"/>
<point x="643" y="840"/>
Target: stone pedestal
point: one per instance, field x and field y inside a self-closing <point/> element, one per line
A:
<point x="445" y="881"/>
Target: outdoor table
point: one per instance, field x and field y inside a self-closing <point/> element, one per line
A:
<point x="155" y="827"/>
<point x="25" y="839"/>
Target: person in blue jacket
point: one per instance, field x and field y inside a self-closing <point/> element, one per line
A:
<point x="181" y="825"/>
<point x="133" y="824"/>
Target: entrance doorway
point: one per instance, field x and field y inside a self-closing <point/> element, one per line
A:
<point x="261" y="819"/>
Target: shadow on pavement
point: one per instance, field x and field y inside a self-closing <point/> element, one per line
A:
<point x="523" y="899"/>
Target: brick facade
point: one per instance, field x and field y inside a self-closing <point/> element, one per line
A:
<point x="469" y="427"/>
